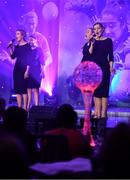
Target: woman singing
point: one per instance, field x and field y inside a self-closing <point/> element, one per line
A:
<point x="87" y="48"/>
<point x="102" y="51"/>
<point x="22" y="53"/>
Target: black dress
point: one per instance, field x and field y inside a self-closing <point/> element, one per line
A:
<point x="102" y="55"/>
<point x="22" y="55"/>
<point x="86" y="55"/>
<point x="34" y="79"/>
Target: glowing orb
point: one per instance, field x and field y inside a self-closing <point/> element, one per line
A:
<point x="50" y="11"/>
<point x="87" y="76"/>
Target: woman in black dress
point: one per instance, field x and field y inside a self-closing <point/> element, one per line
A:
<point x="36" y="71"/>
<point x="22" y="54"/>
<point x="99" y="49"/>
<point x="87" y="55"/>
<point x="102" y="51"/>
<point x="103" y="55"/>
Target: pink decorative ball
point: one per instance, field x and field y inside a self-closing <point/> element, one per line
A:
<point x="87" y="76"/>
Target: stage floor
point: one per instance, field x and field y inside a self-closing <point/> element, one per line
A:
<point x="115" y="115"/>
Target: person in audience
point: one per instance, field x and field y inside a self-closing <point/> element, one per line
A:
<point x="114" y="156"/>
<point x="2" y="107"/>
<point x="67" y="120"/>
<point x="15" y="120"/>
<point x="13" y="157"/>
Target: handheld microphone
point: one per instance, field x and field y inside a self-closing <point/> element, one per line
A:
<point x="12" y="41"/>
<point x="92" y="40"/>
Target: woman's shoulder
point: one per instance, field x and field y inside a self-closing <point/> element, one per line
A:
<point x="106" y="38"/>
<point x="103" y="39"/>
<point x="109" y="39"/>
<point x="25" y="45"/>
<point x="86" y="45"/>
<point x="28" y="45"/>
